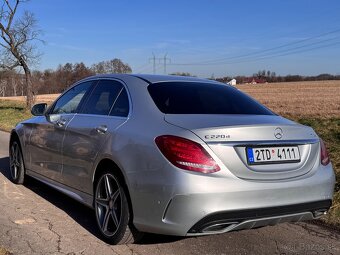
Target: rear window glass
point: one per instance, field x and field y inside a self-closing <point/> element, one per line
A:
<point x="203" y="98"/>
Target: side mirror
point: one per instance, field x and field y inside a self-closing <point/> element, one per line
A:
<point x="39" y="109"/>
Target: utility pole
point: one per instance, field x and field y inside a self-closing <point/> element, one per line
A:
<point x="153" y="59"/>
<point x="165" y="60"/>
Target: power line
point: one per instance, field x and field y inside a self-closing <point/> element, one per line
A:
<point x="300" y="51"/>
<point x="213" y="62"/>
<point x="280" y="55"/>
<point x="285" y="52"/>
<point x="142" y="68"/>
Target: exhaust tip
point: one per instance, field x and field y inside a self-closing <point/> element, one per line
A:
<point x="218" y="227"/>
<point x="319" y="213"/>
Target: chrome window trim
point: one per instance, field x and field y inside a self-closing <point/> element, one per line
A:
<point x="103" y="116"/>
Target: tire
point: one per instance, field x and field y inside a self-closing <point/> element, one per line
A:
<point x="16" y="163"/>
<point x="112" y="211"/>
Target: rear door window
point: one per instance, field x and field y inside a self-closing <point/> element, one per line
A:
<point x="121" y="106"/>
<point x="102" y="97"/>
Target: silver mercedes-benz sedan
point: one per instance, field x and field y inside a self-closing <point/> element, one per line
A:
<point x="173" y="155"/>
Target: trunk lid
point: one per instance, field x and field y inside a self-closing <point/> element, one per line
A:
<point x="228" y="136"/>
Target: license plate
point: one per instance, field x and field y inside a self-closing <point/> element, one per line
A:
<point x="272" y="155"/>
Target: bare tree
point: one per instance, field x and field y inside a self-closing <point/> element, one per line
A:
<point x="111" y="66"/>
<point x="17" y="42"/>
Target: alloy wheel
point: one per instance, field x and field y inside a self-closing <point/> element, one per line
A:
<point x="15" y="161"/>
<point x="108" y="204"/>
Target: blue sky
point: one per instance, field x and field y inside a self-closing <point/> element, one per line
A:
<point x="192" y="32"/>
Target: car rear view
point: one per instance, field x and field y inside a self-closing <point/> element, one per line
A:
<point x="240" y="166"/>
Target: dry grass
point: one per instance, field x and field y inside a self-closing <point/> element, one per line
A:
<point x="48" y="98"/>
<point x="4" y="252"/>
<point x="319" y="99"/>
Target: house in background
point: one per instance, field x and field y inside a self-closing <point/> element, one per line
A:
<point x="254" y="80"/>
<point x="232" y="82"/>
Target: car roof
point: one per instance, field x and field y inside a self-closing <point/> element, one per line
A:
<point x="151" y="78"/>
<point x="161" y="78"/>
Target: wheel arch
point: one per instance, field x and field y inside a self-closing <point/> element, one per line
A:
<point x="14" y="136"/>
<point x="18" y="134"/>
<point x="108" y="164"/>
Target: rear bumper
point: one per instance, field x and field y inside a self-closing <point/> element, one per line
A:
<point x="192" y="204"/>
<point x="234" y="220"/>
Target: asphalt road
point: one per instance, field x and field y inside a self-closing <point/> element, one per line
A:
<point x="34" y="219"/>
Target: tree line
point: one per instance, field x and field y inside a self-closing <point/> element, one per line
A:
<point x="50" y="81"/>
<point x="269" y="76"/>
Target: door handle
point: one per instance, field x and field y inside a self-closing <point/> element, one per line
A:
<point x="61" y="122"/>
<point x="101" y="129"/>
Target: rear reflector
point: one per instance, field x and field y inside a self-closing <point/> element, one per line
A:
<point x="186" y="154"/>
<point x="324" y="154"/>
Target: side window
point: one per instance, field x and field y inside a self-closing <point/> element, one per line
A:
<point x="102" y="97"/>
<point x="70" y="101"/>
<point x="121" y="106"/>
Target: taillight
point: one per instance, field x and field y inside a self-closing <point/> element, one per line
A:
<point x="186" y="154"/>
<point x="324" y="154"/>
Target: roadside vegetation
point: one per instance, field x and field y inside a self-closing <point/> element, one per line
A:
<point x="316" y="104"/>
<point x="4" y="252"/>
<point x="12" y="112"/>
<point x="329" y="131"/>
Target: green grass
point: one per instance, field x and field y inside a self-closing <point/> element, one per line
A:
<point x="12" y="112"/>
<point x="328" y="129"/>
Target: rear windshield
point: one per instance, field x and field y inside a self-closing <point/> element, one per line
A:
<point x="203" y="98"/>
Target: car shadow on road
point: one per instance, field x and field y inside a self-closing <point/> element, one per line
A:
<point x="80" y="213"/>
<point x="4" y="166"/>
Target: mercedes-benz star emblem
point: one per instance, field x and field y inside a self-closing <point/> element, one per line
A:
<point x="278" y="133"/>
